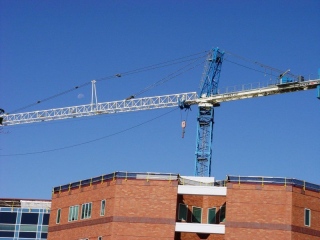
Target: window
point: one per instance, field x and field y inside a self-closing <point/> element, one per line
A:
<point x="211" y="215"/>
<point x="222" y="213"/>
<point x="307" y="217"/>
<point x="99" y="238"/>
<point x="183" y="211"/>
<point x="103" y="207"/>
<point x="73" y="213"/>
<point x="58" y="216"/>
<point x="8" y="217"/>
<point x="45" y="219"/>
<point x="86" y="210"/>
<point x="196" y="214"/>
<point x="29" y="218"/>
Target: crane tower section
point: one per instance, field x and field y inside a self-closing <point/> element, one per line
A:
<point x="208" y="88"/>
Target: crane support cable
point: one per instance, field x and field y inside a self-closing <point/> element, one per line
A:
<point x="256" y="70"/>
<point x="90" y="141"/>
<point x="171" y="76"/>
<point x="163" y="64"/>
<point x="135" y="71"/>
<point x="264" y="66"/>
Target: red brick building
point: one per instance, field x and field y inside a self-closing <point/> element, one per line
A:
<point x="167" y="206"/>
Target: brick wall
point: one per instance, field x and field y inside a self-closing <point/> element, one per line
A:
<point x="135" y="209"/>
<point x="302" y="199"/>
<point x="265" y="211"/>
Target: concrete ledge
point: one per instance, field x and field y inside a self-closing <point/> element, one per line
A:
<point x="202" y="190"/>
<point x="200" y="228"/>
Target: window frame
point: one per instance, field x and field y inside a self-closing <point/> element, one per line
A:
<point x="72" y="211"/>
<point x="103" y="209"/>
<point x="307" y="224"/>
<point x="192" y="218"/>
<point x="215" y="215"/>
<point x="58" y="217"/>
<point x="186" y="212"/>
<point x="86" y="210"/>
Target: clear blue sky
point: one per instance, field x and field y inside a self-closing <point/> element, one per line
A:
<point x="47" y="47"/>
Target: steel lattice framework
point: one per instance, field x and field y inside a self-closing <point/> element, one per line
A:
<point x="135" y="104"/>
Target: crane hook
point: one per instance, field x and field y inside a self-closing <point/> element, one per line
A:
<point x="183" y="125"/>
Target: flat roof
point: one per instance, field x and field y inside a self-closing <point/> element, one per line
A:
<point x="24" y="203"/>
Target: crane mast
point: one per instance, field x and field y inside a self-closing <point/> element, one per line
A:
<point x="205" y="120"/>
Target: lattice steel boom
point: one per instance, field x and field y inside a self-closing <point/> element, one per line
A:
<point x="93" y="109"/>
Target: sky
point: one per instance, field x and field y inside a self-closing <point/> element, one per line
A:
<point x="49" y="47"/>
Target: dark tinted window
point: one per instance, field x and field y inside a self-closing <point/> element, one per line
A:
<point x="6" y="234"/>
<point x="28" y="235"/>
<point x="8" y="217"/>
<point x="44" y="235"/>
<point x="45" y="219"/>
<point x="29" y="218"/>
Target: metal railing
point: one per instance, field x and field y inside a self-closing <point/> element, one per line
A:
<point x="117" y="175"/>
<point x="274" y="180"/>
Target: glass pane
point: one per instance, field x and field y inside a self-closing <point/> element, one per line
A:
<point x="8" y="217"/>
<point x="6" y="227"/>
<point x="28" y="228"/>
<point x="82" y="211"/>
<point x="103" y="205"/>
<point x="196" y="215"/>
<point x="45" y="219"/>
<point x="70" y="214"/>
<point x="29" y="218"/>
<point x="6" y="234"/>
<point x="212" y="215"/>
<point x="45" y="229"/>
<point x="222" y="214"/>
<point x="28" y="235"/>
<point x="58" y="215"/>
<point x="75" y="212"/>
<point x="86" y="211"/>
<point x="307" y="217"/>
<point x="89" y="211"/>
<point x="183" y="210"/>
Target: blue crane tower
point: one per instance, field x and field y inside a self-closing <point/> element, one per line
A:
<point x="205" y="120"/>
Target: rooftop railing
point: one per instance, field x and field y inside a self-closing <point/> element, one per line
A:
<point x="274" y="180"/>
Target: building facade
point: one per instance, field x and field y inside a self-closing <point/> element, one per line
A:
<point x="22" y="219"/>
<point x="272" y="208"/>
<point x="136" y="206"/>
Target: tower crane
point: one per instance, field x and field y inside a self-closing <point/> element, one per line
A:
<point x="207" y="98"/>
